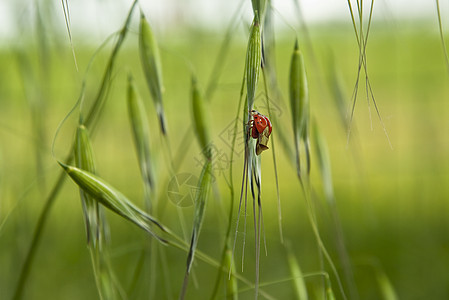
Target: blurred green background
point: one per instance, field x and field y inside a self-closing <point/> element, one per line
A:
<point x="392" y="201"/>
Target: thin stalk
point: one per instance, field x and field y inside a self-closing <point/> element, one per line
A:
<point x="443" y="44"/>
<point x="322" y="247"/>
<point x="273" y="150"/>
<point x="232" y="196"/>
<point x="43" y="217"/>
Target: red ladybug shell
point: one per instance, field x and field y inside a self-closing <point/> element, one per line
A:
<point x="259" y="125"/>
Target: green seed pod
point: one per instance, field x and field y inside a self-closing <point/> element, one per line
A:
<point x="141" y="132"/>
<point x="84" y="160"/>
<point x="299" y="95"/>
<point x="151" y="64"/>
<point x="104" y="193"/>
<point x="200" y="120"/>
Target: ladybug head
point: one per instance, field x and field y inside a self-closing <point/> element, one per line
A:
<point x="254" y="112"/>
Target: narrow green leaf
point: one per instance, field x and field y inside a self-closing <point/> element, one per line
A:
<point x="299" y="284"/>
<point x="232" y="292"/>
<point x="102" y="93"/>
<point x="200" y="205"/>
<point x="337" y="91"/>
<point x="386" y="288"/>
<point x="443" y="43"/>
<point x="329" y="291"/>
<point x="151" y="64"/>
<point x="201" y="197"/>
<point x="325" y="165"/>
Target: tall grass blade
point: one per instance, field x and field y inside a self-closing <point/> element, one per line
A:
<point x="362" y="40"/>
<point x="386" y="287"/>
<point x="443" y="43"/>
<point x="258" y="217"/>
<point x="227" y="239"/>
<point x="299" y="284"/>
<point x="104" y="193"/>
<point x="151" y="64"/>
<point x="273" y="149"/>
<point x="201" y="123"/>
<point x="141" y="135"/>
<point x="252" y="161"/>
<point x="299" y="104"/>
<point x="222" y="53"/>
<point x="33" y="87"/>
<point x="336" y="87"/>
<point x="101" y="96"/>
<point x="329" y="291"/>
<point x="326" y="175"/>
<point x="200" y="206"/>
<point x="275" y="102"/>
<point x="66" y="10"/>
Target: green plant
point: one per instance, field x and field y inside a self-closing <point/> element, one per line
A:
<point x="312" y="249"/>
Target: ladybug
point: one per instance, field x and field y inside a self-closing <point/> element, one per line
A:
<point x="260" y="127"/>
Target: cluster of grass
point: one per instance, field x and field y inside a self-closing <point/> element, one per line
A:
<point x="340" y="220"/>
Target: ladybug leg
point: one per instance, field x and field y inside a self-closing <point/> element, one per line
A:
<point x="252" y="130"/>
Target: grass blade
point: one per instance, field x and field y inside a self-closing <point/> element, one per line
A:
<point x="102" y="93"/>
<point x="336" y="87"/>
<point x="223" y="53"/>
<point x="299" y="104"/>
<point x="326" y="175"/>
<point x="201" y="129"/>
<point x="443" y="43"/>
<point x="273" y="149"/>
<point x="151" y="64"/>
<point x="362" y="41"/>
<point x="66" y="10"/>
<point x="200" y="206"/>
<point x="387" y="290"/>
<point x="227" y="239"/>
<point x="231" y="283"/>
<point x="299" y="284"/>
